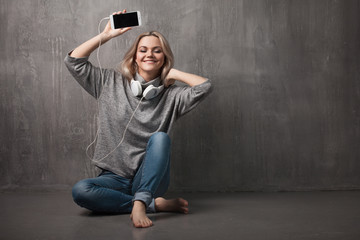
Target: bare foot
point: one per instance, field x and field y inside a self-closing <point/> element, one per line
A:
<point x="171" y="205"/>
<point x="138" y="215"/>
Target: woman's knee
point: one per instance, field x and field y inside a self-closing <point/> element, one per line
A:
<point x="160" y="138"/>
<point x="81" y="192"/>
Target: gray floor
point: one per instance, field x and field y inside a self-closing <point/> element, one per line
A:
<point x="290" y="215"/>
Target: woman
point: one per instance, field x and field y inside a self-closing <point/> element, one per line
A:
<point x="135" y="169"/>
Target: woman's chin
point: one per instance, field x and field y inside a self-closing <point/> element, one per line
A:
<point x="150" y="71"/>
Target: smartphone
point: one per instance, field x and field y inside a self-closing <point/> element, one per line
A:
<point x="123" y="20"/>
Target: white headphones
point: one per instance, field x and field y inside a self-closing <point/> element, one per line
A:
<point x="149" y="92"/>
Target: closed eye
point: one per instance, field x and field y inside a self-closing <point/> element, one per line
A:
<point x="156" y="49"/>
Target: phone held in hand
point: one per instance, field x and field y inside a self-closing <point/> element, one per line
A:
<point x="130" y="19"/>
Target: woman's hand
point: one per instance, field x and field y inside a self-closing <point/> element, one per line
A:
<point x="170" y="78"/>
<point x="109" y="33"/>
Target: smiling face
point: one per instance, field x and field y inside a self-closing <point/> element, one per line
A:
<point x="149" y="57"/>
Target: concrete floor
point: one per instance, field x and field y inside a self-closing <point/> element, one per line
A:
<point x="286" y="215"/>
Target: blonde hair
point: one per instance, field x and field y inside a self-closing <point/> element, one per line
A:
<point x="128" y="65"/>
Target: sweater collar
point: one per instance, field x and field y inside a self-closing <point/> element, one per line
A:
<point x="155" y="82"/>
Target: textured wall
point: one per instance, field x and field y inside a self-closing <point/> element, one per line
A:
<point x="284" y="114"/>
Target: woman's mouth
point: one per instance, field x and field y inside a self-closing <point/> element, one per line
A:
<point x="150" y="61"/>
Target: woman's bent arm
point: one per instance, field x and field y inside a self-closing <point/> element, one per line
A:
<point x="188" y="78"/>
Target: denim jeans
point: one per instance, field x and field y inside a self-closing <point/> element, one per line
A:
<point x="112" y="193"/>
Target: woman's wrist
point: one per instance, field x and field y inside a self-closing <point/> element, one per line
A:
<point x="104" y="37"/>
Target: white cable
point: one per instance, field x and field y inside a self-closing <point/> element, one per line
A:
<point x="98" y="106"/>
<point x="102" y="84"/>
<point x="97" y="54"/>
<point x="123" y="136"/>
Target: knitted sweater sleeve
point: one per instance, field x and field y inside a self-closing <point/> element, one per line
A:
<point x="87" y="75"/>
<point x="187" y="98"/>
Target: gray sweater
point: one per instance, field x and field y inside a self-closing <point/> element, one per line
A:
<point x="116" y="105"/>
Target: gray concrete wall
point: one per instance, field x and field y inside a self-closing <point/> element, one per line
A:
<point x="284" y="114"/>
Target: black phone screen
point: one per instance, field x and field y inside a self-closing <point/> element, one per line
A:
<point x="125" y="20"/>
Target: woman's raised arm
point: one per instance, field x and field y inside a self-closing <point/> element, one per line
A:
<point x="85" y="49"/>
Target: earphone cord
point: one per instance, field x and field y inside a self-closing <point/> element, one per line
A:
<point x="122" y="139"/>
<point x="97" y="54"/>
<point x="98" y="106"/>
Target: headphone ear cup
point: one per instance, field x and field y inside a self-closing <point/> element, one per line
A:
<point x="150" y="92"/>
<point x="136" y="88"/>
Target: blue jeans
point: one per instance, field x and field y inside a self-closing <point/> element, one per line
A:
<point x="112" y="193"/>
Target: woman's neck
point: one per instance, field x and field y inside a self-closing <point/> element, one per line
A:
<point x="148" y="76"/>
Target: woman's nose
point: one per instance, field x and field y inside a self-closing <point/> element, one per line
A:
<point x="149" y="54"/>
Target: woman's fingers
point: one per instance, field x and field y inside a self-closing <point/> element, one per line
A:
<point x="119" y="12"/>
